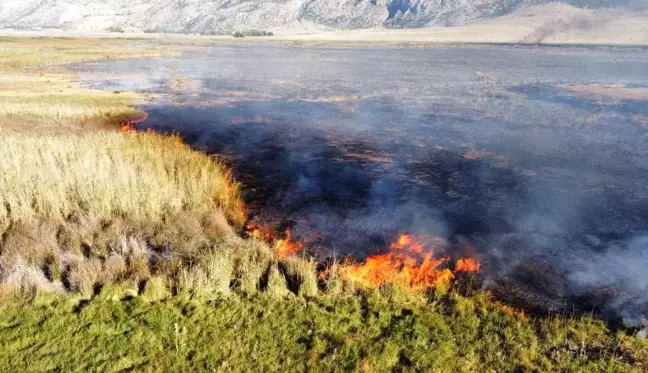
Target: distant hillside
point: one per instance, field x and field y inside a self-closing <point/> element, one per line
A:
<point x="220" y="16"/>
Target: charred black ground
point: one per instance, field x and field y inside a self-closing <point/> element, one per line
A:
<point x="534" y="158"/>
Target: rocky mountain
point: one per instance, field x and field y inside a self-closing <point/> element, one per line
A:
<point x="220" y="16"/>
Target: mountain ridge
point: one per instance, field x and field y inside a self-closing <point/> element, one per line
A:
<point x="221" y="16"/>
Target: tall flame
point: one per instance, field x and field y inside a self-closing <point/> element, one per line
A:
<point x="408" y="263"/>
<point x="287" y="246"/>
<point x="467" y="265"/>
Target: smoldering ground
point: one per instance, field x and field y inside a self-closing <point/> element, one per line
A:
<point x="486" y="147"/>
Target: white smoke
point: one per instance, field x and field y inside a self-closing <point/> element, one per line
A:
<point x="624" y="270"/>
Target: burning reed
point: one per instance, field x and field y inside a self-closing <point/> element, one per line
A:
<point x="411" y="262"/>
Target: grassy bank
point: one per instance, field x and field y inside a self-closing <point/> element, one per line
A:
<point x="367" y="333"/>
<point x="119" y="252"/>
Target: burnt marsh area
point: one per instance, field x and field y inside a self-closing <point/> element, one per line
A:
<point x="534" y="157"/>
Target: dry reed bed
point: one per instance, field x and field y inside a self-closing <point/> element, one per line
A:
<point x="143" y="177"/>
<point x="82" y="211"/>
<point x="97" y="208"/>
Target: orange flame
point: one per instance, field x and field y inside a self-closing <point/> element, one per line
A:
<point x="514" y="311"/>
<point x="408" y="262"/>
<point x="467" y="265"/>
<point x="283" y="247"/>
<point x="259" y="232"/>
<point x="287" y="246"/>
<point x="128" y="126"/>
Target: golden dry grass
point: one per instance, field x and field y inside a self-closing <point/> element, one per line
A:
<point x="82" y="207"/>
<point x="79" y="211"/>
<point x="144" y="177"/>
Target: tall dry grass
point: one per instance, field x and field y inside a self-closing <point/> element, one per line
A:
<point x="112" y="176"/>
<point x="100" y="208"/>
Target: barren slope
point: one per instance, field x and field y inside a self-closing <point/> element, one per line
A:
<point x="214" y="16"/>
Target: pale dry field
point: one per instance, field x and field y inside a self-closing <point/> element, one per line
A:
<point x="37" y="95"/>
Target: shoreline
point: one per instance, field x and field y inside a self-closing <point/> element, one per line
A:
<point x="411" y="38"/>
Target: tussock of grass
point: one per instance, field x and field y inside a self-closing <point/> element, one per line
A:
<point x="212" y="276"/>
<point x="156" y="289"/>
<point x="334" y="283"/>
<point x="305" y="275"/>
<point x="98" y="208"/>
<point x="277" y="284"/>
<point x="252" y="263"/>
<point x="142" y="178"/>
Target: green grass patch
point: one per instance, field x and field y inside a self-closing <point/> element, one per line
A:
<point x="263" y="333"/>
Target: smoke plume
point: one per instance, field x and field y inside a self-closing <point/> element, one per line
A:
<point x="554" y="27"/>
